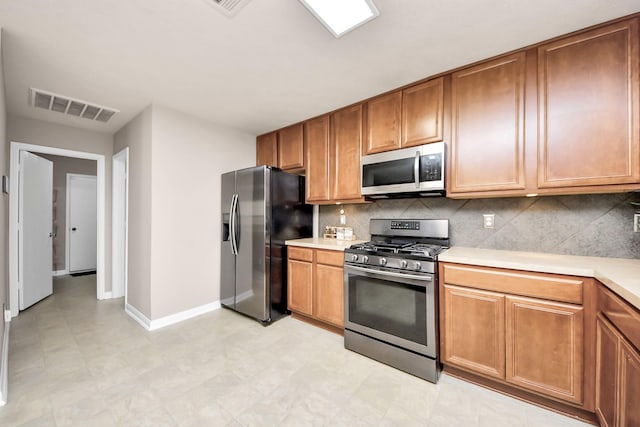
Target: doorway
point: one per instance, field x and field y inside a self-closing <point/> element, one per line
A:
<point x="14" y="278"/>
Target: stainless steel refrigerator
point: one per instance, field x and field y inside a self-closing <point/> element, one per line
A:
<point x="261" y="208"/>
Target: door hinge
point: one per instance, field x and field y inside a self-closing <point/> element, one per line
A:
<point x="7" y="315"/>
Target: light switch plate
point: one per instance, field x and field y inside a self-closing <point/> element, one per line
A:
<point x="636" y="223"/>
<point x="488" y="220"/>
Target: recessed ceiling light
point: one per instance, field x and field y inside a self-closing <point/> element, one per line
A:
<point x="342" y="16"/>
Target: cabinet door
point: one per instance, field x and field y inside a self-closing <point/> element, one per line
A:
<point x="346" y="141"/>
<point x="473" y="332"/>
<point x="487" y="141"/>
<point x="607" y="350"/>
<point x="588" y="95"/>
<point x="291" y="148"/>
<point x="629" y="386"/>
<point x="544" y="343"/>
<point x="316" y="136"/>
<point x="267" y="149"/>
<point x="382" y="124"/>
<point x="329" y="294"/>
<point x="423" y="113"/>
<point x="299" y="292"/>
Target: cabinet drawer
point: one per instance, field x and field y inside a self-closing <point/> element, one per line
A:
<point x="330" y="257"/>
<point x="303" y="254"/>
<point x="539" y="285"/>
<point x="621" y="314"/>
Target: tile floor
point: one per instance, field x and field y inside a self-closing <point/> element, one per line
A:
<point x="77" y="361"/>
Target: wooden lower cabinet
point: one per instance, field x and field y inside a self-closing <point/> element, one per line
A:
<point x="316" y="284"/>
<point x="519" y="341"/>
<point x="544" y="347"/>
<point x="329" y="293"/>
<point x="300" y="293"/>
<point x="617" y="362"/>
<point x="630" y="385"/>
<point x="474" y="327"/>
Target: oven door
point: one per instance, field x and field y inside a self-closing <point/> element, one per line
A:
<point x="393" y="307"/>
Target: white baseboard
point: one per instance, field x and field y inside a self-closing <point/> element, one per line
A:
<point x="151" y="325"/>
<point x="4" y="365"/>
<point x="137" y="316"/>
<point x="60" y="273"/>
<point x="105" y="295"/>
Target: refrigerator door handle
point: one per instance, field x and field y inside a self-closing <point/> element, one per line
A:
<point x="233" y="225"/>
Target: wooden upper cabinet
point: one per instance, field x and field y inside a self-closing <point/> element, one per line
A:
<point x="588" y="106"/>
<point x="413" y="116"/>
<point x="267" y="149"/>
<point x="545" y="351"/>
<point x="382" y="123"/>
<point x="423" y="113"/>
<point x="346" y="141"/>
<point x="316" y="136"/>
<point x="291" y="148"/>
<point x="487" y="146"/>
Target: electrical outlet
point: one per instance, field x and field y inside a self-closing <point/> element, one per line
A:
<point x="636" y="223"/>
<point x="488" y="220"/>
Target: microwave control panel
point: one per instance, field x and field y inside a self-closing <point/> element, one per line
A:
<point x="405" y="225"/>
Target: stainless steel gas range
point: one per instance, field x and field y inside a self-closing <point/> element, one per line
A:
<point x="391" y="294"/>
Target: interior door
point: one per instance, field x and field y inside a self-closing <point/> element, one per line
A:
<point x="82" y="222"/>
<point x="35" y="240"/>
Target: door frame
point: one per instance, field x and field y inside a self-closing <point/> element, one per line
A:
<point x="67" y="234"/>
<point x="119" y="225"/>
<point x="15" y="148"/>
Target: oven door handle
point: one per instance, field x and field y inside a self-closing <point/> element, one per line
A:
<point x="390" y="274"/>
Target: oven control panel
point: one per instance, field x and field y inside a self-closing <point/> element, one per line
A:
<point x="405" y="225"/>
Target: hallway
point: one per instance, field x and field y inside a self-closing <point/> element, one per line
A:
<point x="74" y="360"/>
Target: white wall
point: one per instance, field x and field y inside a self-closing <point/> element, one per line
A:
<point x="188" y="157"/>
<point x="4" y="205"/>
<point x="137" y="136"/>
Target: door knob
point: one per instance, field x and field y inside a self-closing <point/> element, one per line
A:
<point x="73" y="229"/>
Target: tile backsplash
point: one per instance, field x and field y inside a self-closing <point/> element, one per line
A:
<point x="588" y="225"/>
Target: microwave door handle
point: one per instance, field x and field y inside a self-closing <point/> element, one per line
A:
<point x="416" y="169"/>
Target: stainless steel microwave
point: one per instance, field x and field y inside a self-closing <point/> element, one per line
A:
<point x="414" y="171"/>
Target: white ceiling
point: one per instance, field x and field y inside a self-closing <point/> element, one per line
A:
<point x="270" y="65"/>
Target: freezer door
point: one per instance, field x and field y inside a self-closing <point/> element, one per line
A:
<point x="228" y="259"/>
<point x="253" y="242"/>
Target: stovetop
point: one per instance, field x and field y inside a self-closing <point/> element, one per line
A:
<point x="410" y="246"/>
<point x="398" y="249"/>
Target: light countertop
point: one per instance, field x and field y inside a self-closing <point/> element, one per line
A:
<point x="321" y="243"/>
<point x="620" y="275"/>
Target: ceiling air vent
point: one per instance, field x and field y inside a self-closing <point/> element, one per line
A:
<point x="70" y="106"/>
<point x="228" y="7"/>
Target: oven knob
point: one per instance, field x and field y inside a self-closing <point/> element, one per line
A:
<point x="383" y="261"/>
<point x="403" y="263"/>
<point x="354" y="257"/>
<point x="365" y="259"/>
<point x="418" y="265"/>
